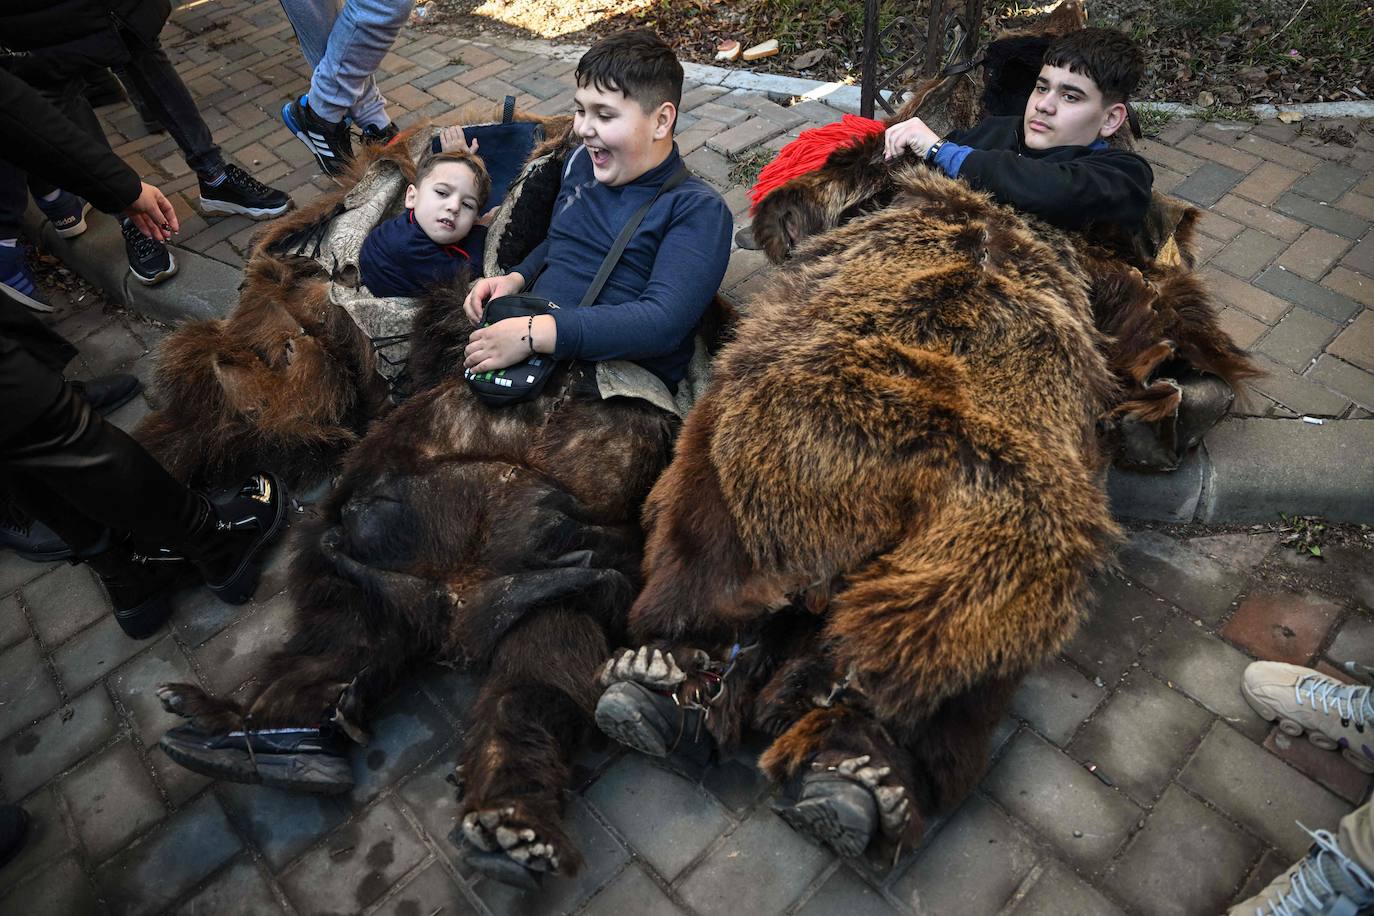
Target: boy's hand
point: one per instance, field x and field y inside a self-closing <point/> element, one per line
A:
<point x="912" y="135"/>
<point x="488" y="217"/>
<point x="503" y="344"/>
<point x="489" y="288"/>
<point x="451" y="138"/>
<point x="152" y="214"/>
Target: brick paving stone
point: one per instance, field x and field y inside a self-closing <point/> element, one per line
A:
<point x="1351" y="381"/>
<point x="33" y="756"/>
<point x="62" y="890"/>
<point x="710" y="165"/>
<point x="1242" y="295"/>
<point x="1172" y="158"/>
<point x="1205" y="247"/>
<point x="1319" y="299"/>
<point x="633" y="892"/>
<point x="1217" y="226"/>
<point x="635" y="786"/>
<point x="974" y="865"/>
<point x="1312" y="255"/>
<point x="1057" y="891"/>
<point x="1354" y="641"/>
<point x="1359" y="204"/>
<point x="1190" y="659"/>
<point x="1260" y="791"/>
<point x="240" y="888"/>
<point x="1355" y="344"/>
<point x="1327" y="767"/>
<point x="540" y="86"/>
<point x="47" y="841"/>
<point x="112" y="799"/>
<point x="602" y="856"/>
<point x="1122" y="620"/>
<point x="1067" y="805"/>
<point x="1361" y="257"/>
<point x="1238" y="160"/>
<point x="1323" y="215"/>
<point x="1248" y="254"/>
<point x="1267" y="182"/>
<point x="1177" y="130"/>
<point x="726" y="115"/>
<point x="1166" y="179"/>
<point x="744" y="135"/>
<point x="469" y="75"/>
<point x="1327" y="182"/>
<point x="760" y="868"/>
<point x="27" y="690"/>
<point x="1055" y="699"/>
<point x="1348" y="566"/>
<point x="356" y="865"/>
<point x="406" y="731"/>
<point x="234" y="655"/>
<point x="736" y="782"/>
<point x="1242" y="550"/>
<point x="1281" y="626"/>
<point x="1241" y="328"/>
<point x="1272" y="864"/>
<point x="1299" y="394"/>
<point x="148" y="876"/>
<point x="433" y="801"/>
<point x="432" y="891"/>
<point x="1141" y="736"/>
<point x="279" y="823"/>
<point x="846" y="894"/>
<point x="1176" y="572"/>
<point x="1298" y="339"/>
<point x="1187" y="860"/>
<point x="1208" y="184"/>
<point x="1349" y="283"/>
<point x="93" y="653"/>
<point x="198" y="615"/>
<point x="1261" y="218"/>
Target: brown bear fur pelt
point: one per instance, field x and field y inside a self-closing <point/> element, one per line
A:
<point x="899" y="444"/>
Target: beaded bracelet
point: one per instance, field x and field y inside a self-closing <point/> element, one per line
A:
<point x="530" y="333"/>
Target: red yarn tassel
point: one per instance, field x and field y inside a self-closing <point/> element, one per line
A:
<point x="809" y="151"/>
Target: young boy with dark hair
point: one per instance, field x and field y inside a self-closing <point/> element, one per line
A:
<point x="629" y="86"/>
<point x="1054" y="161"/>
<point x="438" y="236"/>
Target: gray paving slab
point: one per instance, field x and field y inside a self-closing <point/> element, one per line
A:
<point x="845" y="893"/>
<point x="1298" y="394"/>
<point x="1057" y="891"/>
<point x="433" y="890"/>
<point x="633" y="891"/>
<point x="56" y="742"/>
<point x="1287" y="285"/>
<point x="27" y="689"/>
<point x="148" y="876"/>
<point x="1122" y="620"/>
<point x="1141" y="736"/>
<point x="1327" y="181"/>
<point x="235" y="654"/>
<point x="1298" y="339"/>
<point x="633" y="794"/>
<point x="1260" y="791"/>
<point x="111" y="799"/>
<point x="1171" y="569"/>
<point x="14" y="628"/>
<point x="93" y="653"/>
<point x="239" y="888"/>
<point x="48" y="840"/>
<point x="1351" y="381"/>
<point x="433" y="801"/>
<point x="64" y="602"/>
<point x="1208" y="184"/>
<point x="406" y="732"/>
<point x="974" y="865"/>
<point x="763" y="867"/>
<point x="1078" y="815"/>
<point x="1188" y="859"/>
<point x="197" y="615"/>
<point x="1242" y="550"/>
<point x="1154" y="497"/>
<point x="1055" y="698"/>
<point x="1263" y="467"/>
<point x="1193" y="660"/>
<point x="1315" y="213"/>
<point x="280" y="824"/>
<point x="133" y="685"/>
<point x="61" y="890"/>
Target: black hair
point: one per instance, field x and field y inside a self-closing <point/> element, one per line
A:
<point x="1108" y="57"/>
<point x="636" y="62"/>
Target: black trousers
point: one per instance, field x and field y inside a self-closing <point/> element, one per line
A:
<point x="64" y="465"/>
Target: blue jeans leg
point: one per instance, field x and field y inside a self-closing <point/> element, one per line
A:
<point x="345" y="47"/>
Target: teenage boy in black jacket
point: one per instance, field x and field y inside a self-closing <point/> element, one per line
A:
<point x="1054" y="161"/>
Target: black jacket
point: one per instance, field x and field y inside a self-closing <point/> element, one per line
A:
<point x="1067" y="186"/>
<point x="46" y="41"/>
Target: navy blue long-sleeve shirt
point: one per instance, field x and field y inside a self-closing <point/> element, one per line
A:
<point x="398" y="259"/>
<point x="661" y="286"/>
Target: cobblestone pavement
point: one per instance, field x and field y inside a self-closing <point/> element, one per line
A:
<point x="1194" y="798"/>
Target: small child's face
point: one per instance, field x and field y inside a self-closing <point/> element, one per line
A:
<point x="445" y="202"/>
<point x="1067" y="109"/>
<point x="620" y="136"/>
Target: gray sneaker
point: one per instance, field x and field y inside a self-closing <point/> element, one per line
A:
<point x="1333" y="714"/>
<point x="1326" y="882"/>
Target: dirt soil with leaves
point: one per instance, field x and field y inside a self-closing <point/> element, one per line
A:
<point x="1207" y="52"/>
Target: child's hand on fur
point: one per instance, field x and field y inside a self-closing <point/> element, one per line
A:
<point x="488" y="217"/>
<point x="913" y="135"/>
<point x="451" y="138"/>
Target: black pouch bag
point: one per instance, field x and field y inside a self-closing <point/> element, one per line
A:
<point x="524" y="380"/>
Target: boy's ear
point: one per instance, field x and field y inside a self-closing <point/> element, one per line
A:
<point x="1116" y="116"/>
<point x="412" y="194"/>
<point x="664" y="118"/>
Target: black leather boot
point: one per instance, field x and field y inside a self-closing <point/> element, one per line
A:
<point x="228" y="542"/>
<point x="141" y="585"/>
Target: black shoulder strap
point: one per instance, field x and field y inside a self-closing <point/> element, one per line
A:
<point x="613" y="256"/>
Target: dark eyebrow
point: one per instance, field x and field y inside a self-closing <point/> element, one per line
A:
<point x="1070" y="87"/>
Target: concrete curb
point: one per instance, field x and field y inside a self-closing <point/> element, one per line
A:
<point x="202" y="287"/>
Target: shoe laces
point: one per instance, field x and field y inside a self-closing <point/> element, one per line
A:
<point x="241" y="179"/>
<point x="143" y="246"/>
<point x="1313" y="890"/>
<point x="1348" y="700"/>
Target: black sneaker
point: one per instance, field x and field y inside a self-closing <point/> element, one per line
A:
<point x="300" y="759"/>
<point x="67" y="214"/>
<point x="379" y="136"/>
<point x="329" y="143"/>
<point x="109" y="392"/>
<point x="241" y="193"/>
<point x="33" y="541"/>
<point x="149" y="261"/>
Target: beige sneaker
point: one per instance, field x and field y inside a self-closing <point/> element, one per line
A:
<point x="1325" y="882"/>
<point x="1333" y="714"/>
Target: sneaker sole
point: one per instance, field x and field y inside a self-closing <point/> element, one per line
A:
<point x="239" y="587"/>
<point x="208" y="205"/>
<point x="28" y="301"/>
<point x="158" y="277"/>
<point x="318" y="774"/>
<point x="73" y="231"/>
<point x="1295" y="729"/>
<point x="498" y="866"/>
<point x="635" y="724"/>
<point x="840" y="820"/>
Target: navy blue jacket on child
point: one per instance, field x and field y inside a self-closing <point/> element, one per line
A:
<point x="658" y="291"/>
<point x="398" y="259"/>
